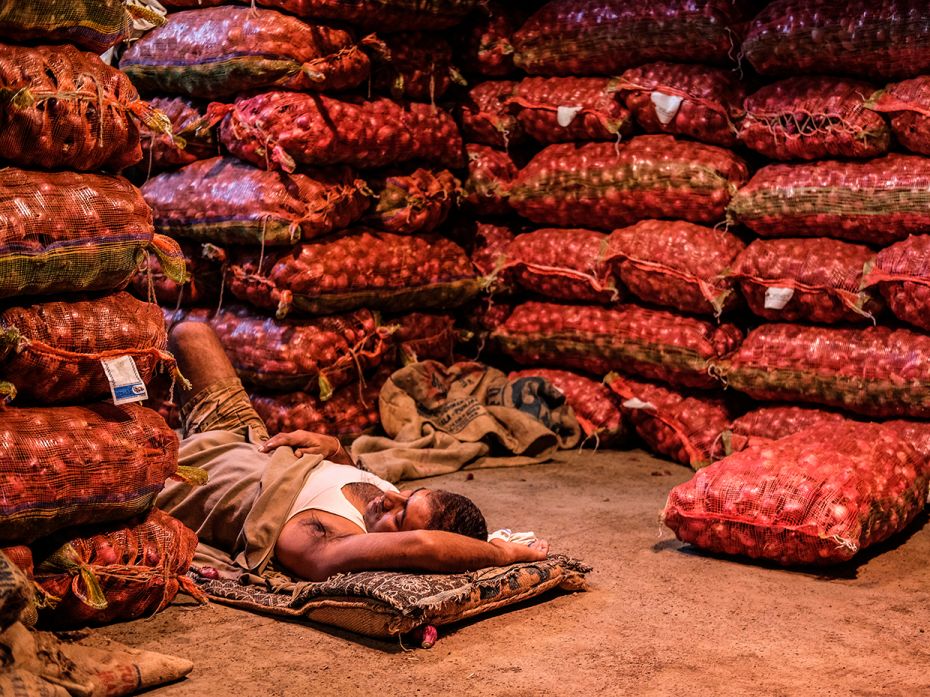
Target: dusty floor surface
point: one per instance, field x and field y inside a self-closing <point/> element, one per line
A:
<point x="660" y="618"/>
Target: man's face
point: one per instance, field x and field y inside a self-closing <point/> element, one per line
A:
<point x="406" y="510"/>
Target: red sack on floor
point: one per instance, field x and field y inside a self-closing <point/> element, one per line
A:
<point x="119" y="573"/>
<point x="192" y="136"/>
<point x="817" y="497"/>
<point x="202" y="288"/>
<point x="606" y="185"/>
<point x="420" y="336"/>
<point x="98" y="463"/>
<point x="219" y="52"/>
<point x="652" y="343"/>
<point x="683" y="427"/>
<point x="774" y="423"/>
<point x="415" y="202"/>
<point x="878" y="371"/>
<point x="882" y="39"/>
<point x="61" y="108"/>
<point x="560" y="264"/>
<point x="675" y="263"/>
<point x="806" y="280"/>
<point x="877" y="202"/>
<point x="596" y="408"/>
<point x="602" y="37"/>
<point x="490" y="174"/>
<point x="358" y="268"/>
<point x="316" y="355"/>
<point x="279" y="130"/>
<point x="94" y="25"/>
<point x="227" y="201"/>
<point x="690" y="100"/>
<point x="908" y="104"/>
<point x="52" y="351"/>
<point x="902" y="273"/>
<point x="485" y="43"/>
<point x="64" y="232"/>
<point x="414" y="65"/>
<point x="810" y="118"/>
<point x="382" y="15"/>
<point x="567" y="109"/>
<point x="485" y="116"/>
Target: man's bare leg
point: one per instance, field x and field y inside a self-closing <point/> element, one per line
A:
<point x="200" y="356"/>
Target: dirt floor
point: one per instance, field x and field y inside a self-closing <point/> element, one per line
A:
<point x="659" y="618"/>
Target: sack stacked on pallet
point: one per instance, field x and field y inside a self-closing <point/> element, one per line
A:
<point x="318" y="177"/>
<point x="80" y="459"/>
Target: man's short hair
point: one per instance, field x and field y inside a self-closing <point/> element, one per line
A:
<point x="456" y="513"/>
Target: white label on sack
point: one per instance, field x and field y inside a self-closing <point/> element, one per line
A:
<point x="125" y="382"/>
<point x="666" y="106"/>
<point x="566" y="114"/>
<point x="777" y="298"/>
<point x="638" y="404"/>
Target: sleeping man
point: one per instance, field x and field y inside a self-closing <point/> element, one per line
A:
<point x="295" y="502"/>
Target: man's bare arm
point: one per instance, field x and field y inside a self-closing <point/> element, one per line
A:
<point x="309" y="443"/>
<point x="318" y="558"/>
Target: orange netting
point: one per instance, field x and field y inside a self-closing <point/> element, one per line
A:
<point x="415" y="202"/>
<point x="490" y="173"/>
<point x="902" y="272"/>
<point x="485" y="116"/>
<point x="95" y="25"/>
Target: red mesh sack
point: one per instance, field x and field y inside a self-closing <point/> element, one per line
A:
<point x="490" y="174"/>
<point x="414" y="65"/>
<point x="52" y="351"/>
<point x="560" y="264"/>
<point x="902" y="273"/>
<point x="415" y="202"/>
<point x="488" y="246"/>
<point x="676" y="263"/>
<point x="878" y="371"/>
<point x="908" y="104"/>
<point x="485" y="116"/>
<point x="882" y="39"/>
<point x="566" y="109"/>
<point x="94" y="25"/>
<point x="221" y="51"/>
<point x="914" y="433"/>
<point x="683" y="427"/>
<point x="119" y="573"/>
<point x="67" y="466"/>
<point x="61" y="108"/>
<point x="227" y="201"/>
<point x="606" y="185"/>
<point x="192" y="136"/>
<point x="163" y="398"/>
<point x="595" y="406"/>
<point x="816" y="497"/>
<point x="315" y="355"/>
<point x="807" y="280"/>
<point x="652" y="343"/>
<point x="688" y="100"/>
<point x="420" y="336"/>
<point x="810" y="118"/>
<point x="602" y="37"/>
<point x="359" y="268"/>
<point x="351" y="412"/>
<point x="879" y="202"/>
<point x="383" y="15"/>
<point x="485" y="43"/>
<point x="277" y="130"/>
<point x="64" y="232"/>
<point x="202" y="288"/>
<point x="774" y="423"/>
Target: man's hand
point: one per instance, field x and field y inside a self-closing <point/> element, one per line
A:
<point x="513" y="553"/>
<point x="304" y="443"/>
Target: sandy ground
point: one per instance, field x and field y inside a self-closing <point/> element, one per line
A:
<point x="659" y="619"/>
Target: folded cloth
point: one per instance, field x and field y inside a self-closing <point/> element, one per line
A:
<point x="507" y="535"/>
<point x="440" y="419"/>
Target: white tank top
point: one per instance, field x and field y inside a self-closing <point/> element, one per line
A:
<point x="323" y="491"/>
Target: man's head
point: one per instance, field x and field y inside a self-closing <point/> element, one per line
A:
<point x="425" y="509"/>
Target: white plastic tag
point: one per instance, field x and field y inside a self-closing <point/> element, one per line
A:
<point x="125" y="382"/>
<point x="566" y="114"/>
<point x="638" y="404"/>
<point x="666" y="106"/>
<point x="777" y="298"/>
